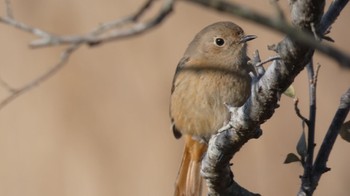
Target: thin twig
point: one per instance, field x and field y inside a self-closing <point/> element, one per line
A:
<point x="279" y="11"/>
<point x="256" y="62"/>
<point x="316" y="74"/>
<point x="106" y="26"/>
<point x="298" y="113"/>
<point x="50" y="72"/>
<point x="137" y="28"/>
<point x="24" y="27"/>
<point x="273" y="58"/>
<point x="314" y="32"/>
<point x="142" y="10"/>
<point x="7" y="86"/>
<point x="8" y="10"/>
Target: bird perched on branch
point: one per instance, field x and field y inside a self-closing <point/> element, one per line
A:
<point x="213" y="72"/>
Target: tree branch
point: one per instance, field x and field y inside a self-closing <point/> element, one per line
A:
<point x="105" y="32"/>
<point x="266" y="91"/>
<point x="331" y="15"/>
<point x="308" y="174"/>
<point x="298" y="113"/>
<point x="216" y="167"/>
<point x="313" y="172"/>
<point x="320" y="165"/>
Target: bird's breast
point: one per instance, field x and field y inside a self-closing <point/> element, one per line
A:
<point x="197" y="103"/>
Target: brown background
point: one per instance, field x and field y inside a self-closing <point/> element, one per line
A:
<point x="100" y="127"/>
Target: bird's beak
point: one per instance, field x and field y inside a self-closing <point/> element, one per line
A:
<point x="247" y="38"/>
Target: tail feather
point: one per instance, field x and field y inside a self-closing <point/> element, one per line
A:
<point x="189" y="180"/>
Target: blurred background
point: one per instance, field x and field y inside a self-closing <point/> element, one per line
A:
<point x="100" y="127"/>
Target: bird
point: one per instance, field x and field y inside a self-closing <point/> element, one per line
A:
<point x="213" y="73"/>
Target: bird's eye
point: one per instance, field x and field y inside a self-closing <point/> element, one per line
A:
<point x="219" y="41"/>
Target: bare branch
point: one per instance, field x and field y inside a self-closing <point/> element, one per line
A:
<point x="298" y="113"/>
<point x="279" y="11"/>
<point x="264" y="99"/>
<point x="108" y="31"/>
<point x="320" y="165"/>
<point x="24" y="27"/>
<point x="104" y="27"/>
<point x="9" y="12"/>
<point x="258" y="65"/>
<point x="331" y="15"/>
<point x="306" y="179"/>
<point x="7" y="86"/>
<point x="315" y="78"/>
<point x="273" y="58"/>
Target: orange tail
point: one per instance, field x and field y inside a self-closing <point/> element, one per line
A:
<point x="189" y="181"/>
